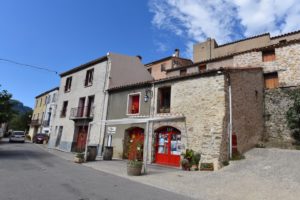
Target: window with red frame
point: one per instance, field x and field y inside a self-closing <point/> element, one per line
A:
<point x="134" y="104"/>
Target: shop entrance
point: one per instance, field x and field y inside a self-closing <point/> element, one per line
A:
<point x="134" y="139"/>
<point x="168" y="146"/>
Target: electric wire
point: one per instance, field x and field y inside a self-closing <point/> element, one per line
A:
<point x="27" y="65"/>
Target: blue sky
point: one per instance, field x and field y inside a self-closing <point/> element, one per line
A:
<point x="62" y="34"/>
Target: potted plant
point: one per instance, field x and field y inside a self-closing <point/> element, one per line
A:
<point x="195" y="161"/>
<point x="79" y="157"/>
<point x="190" y="160"/>
<point x="135" y="159"/>
<point x="186" y="162"/>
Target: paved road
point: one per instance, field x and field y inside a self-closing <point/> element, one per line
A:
<point x="29" y="173"/>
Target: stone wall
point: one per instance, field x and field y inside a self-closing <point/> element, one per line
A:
<point x="202" y="102"/>
<point x="277" y="103"/>
<point x="287" y="63"/>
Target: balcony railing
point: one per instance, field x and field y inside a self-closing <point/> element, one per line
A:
<point x="46" y="123"/>
<point x="82" y="113"/>
<point x="36" y="122"/>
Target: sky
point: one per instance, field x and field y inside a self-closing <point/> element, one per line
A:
<point x="63" y="34"/>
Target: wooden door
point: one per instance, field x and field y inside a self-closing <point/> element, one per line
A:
<point x="81" y="138"/>
<point x="136" y="140"/>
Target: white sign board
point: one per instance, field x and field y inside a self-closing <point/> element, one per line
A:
<point x="111" y="130"/>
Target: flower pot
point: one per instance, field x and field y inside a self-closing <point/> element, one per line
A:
<point x="78" y="160"/>
<point x="134" y="168"/>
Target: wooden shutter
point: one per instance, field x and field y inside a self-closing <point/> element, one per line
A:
<point x="271" y="80"/>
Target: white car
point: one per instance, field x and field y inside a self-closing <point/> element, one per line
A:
<point x="17" y="136"/>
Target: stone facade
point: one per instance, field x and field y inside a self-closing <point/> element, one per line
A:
<point x="202" y="102"/>
<point x="286" y="64"/>
<point x="277" y="103"/>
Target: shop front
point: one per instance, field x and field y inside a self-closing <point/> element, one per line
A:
<point x="168" y="146"/>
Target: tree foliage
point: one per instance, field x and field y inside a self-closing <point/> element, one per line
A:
<point x="5" y="106"/>
<point x="293" y="115"/>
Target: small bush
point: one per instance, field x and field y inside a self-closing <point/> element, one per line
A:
<point x="225" y="163"/>
<point x="237" y="156"/>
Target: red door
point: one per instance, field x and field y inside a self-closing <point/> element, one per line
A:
<point x="168" y="146"/>
<point x="136" y="140"/>
<point x="81" y="138"/>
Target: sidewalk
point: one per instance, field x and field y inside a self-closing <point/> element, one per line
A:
<point x="267" y="174"/>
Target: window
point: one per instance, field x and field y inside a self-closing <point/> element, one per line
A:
<point x="133" y="103"/>
<point x="182" y="72"/>
<point x="64" y="109"/>
<point x="202" y="68"/>
<point x="271" y="80"/>
<point x="268" y="56"/>
<point x="36" y="103"/>
<point x="163" y="67"/>
<point x="150" y="70"/>
<point x="164" y="100"/>
<point x="41" y="100"/>
<point x="89" y="77"/>
<point x="68" y="84"/>
<point x="54" y="97"/>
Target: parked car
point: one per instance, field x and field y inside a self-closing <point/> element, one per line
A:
<point x="17" y="136"/>
<point x="40" y="138"/>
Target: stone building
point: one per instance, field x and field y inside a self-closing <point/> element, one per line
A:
<point x="159" y="67"/>
<point x="278" y="56"/>
<point x="194" y="111"/>
<point x="82" y="104"/>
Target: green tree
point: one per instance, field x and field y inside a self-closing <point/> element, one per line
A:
<point x="20" y="121"/>
<point x="5" y="106"/>
<point x="293" y="115"/>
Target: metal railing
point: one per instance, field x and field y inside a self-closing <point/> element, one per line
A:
<point x="36" y="122"/>
<point x="46" y="123"/>
<point x="82" y="112"/>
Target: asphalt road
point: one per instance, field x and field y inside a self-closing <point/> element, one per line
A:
<point x="29" y="173"/>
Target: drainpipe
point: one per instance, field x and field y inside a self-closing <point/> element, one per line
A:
<point x="104" y="104"/>
<point x="230" y="117"/>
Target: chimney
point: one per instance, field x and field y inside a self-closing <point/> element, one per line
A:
<point x="176" y="53"/>
<point x="139" y="57"/>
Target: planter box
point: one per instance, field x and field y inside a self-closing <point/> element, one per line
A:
<point x="206" y="167"/>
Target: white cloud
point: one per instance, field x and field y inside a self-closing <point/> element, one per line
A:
<point x="224" y="20"/>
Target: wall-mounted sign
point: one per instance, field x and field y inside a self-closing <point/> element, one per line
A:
<point x="111" y="130"/>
